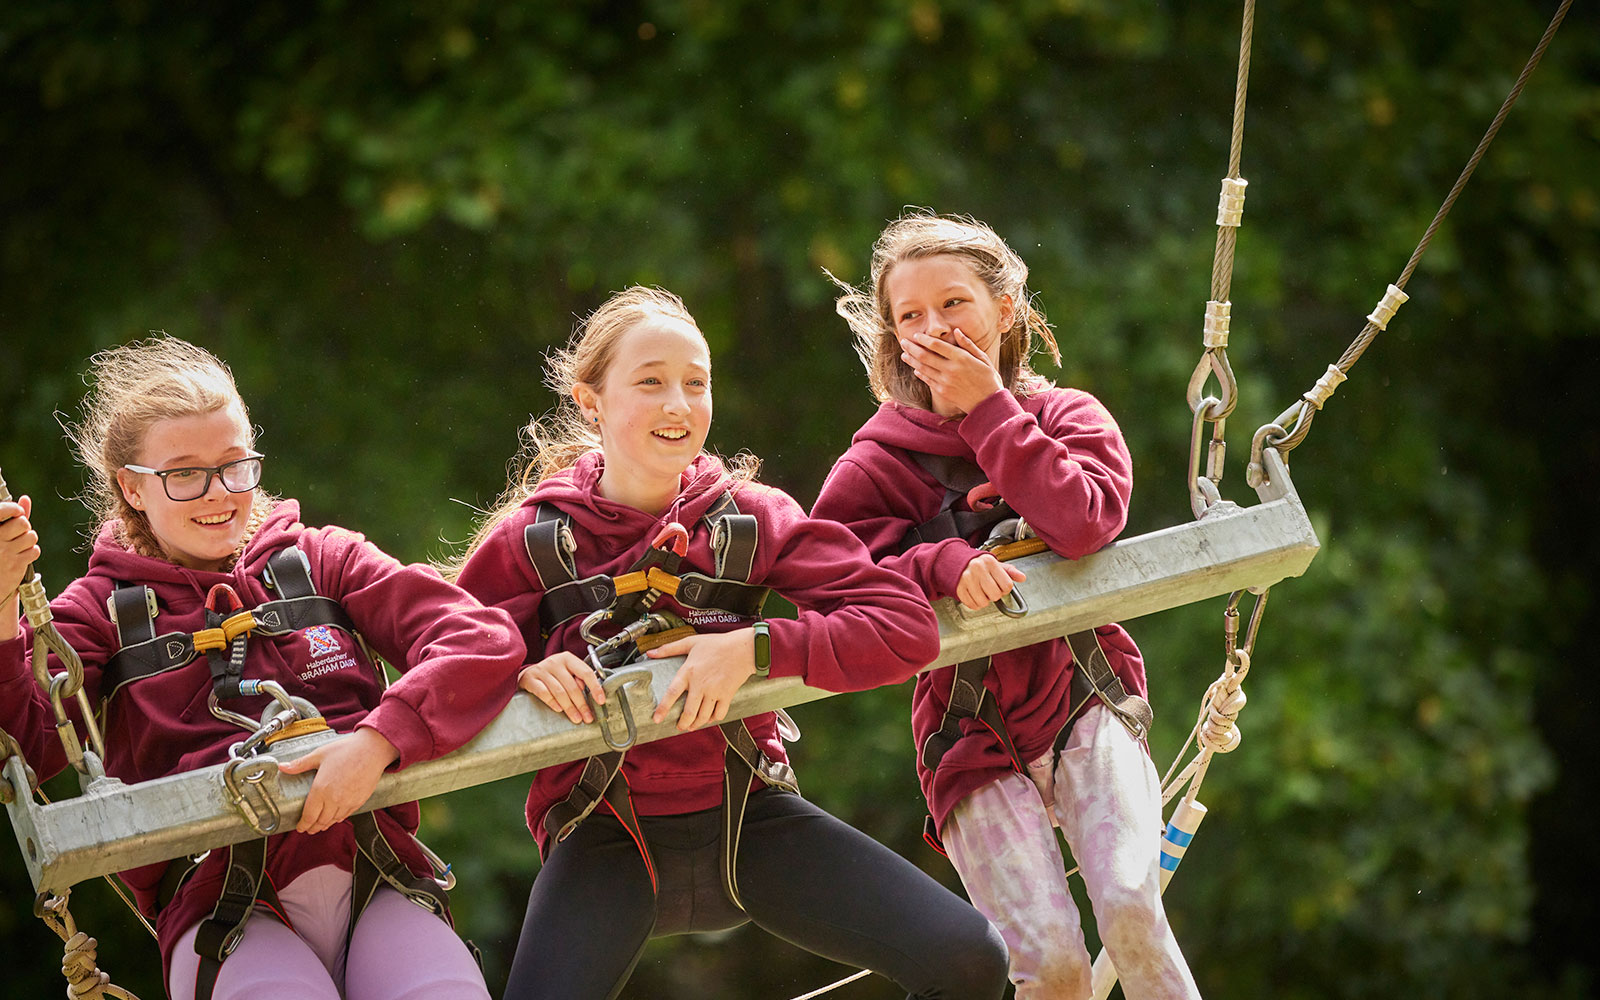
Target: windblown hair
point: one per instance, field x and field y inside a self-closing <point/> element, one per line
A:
<point x="920" y="234"/>
<point x="555" y="441"/>
<point x="131" y="388"/>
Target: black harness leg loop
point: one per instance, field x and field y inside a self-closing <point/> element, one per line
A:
<point x="219" y="933"/>
<point x="1090" y="664"/>
<point x="743" y="761"/>
<point x="376" y="864"/>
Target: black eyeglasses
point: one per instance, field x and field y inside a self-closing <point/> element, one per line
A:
<point x="193" y="482"/>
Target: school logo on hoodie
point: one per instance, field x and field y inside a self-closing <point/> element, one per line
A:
<point x="327" y="654"/>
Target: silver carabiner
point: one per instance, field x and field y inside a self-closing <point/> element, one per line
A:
<point x="252" y="787"/>
<point x="1013" y="604"/>
<point x="282" y="701"/>
<point x="615" y="684"/>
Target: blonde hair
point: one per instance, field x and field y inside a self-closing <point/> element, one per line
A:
<point x="131" y="388"/>
<point x="921" y="234"/>
<point x="555" y="441"/>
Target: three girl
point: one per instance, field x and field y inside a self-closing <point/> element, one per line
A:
<point x="187" y="540"/>
<point x="966" y="439"/>
<point x="620" y="520"/>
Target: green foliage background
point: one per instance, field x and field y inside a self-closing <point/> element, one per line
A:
<point x="382" y="216"/>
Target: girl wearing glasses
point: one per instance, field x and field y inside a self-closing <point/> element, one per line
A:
<point x="174" y="486"/>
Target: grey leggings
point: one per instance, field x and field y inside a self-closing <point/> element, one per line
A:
<point x="804" y="876"/>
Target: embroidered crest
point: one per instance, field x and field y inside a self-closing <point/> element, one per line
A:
<point x="322" y="640"/>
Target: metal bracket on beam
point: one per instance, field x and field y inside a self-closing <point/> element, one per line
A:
<point x="114" y="826"/>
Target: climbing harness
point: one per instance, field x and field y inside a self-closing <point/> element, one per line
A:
<point x="1245" y="549"/>
<point x="249" y="778"/>
<point x="1009" y="537"/>
<point x="143" y="653"/>
<point x="630" y="601"/>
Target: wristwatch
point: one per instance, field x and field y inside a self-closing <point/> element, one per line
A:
<point x="763" y="649"/>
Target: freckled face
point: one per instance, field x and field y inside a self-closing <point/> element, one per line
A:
<point x="654" y="406"/>
<point x="941" y="294"/>
<point x="204" y="533"/>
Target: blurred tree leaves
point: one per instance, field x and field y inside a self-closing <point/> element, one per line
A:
<point x="382" y="216"/>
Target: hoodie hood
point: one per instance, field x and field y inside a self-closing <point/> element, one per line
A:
<point x="112" y="559"/>
<point x="576" y="490"/>
<point x="914" y="429"/>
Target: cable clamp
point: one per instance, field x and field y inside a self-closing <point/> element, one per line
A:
<point x="1218" y="317"/>
<point x="1391" y="302"/>
<point x="1230" y="206"/>
<point x="1319" y="393"/>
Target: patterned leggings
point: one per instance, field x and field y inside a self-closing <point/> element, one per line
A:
<point x="1107" y="801"/>
<point x="399" y="951"/>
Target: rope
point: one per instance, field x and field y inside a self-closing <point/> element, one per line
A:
<point x="1222" y="263"/>
<point x="1214" y="357"/>
<point x="833" y="986"/>
<point x="1353" y="353"/>
<point x="1216" y="728"/>
<point x="1297" y="418"/>
<point x="79" y="965"/>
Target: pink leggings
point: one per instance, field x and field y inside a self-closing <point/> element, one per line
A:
<point x="399" y="951"/>
<point x="1107" y="801"/>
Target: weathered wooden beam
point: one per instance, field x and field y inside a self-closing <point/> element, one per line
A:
<point x="114" y="826"/>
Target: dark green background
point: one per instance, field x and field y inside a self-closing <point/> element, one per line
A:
<point x="382" y="216"/>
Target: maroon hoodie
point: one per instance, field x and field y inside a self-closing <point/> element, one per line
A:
<point x="859" y="626"/>
<point x="459" y="662"/>
<point x="1059" y="460"/>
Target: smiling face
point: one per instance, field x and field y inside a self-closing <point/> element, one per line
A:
<point x="941" y="294"/>
<point x="654" y="410"/>
<point x="201" y="534"/>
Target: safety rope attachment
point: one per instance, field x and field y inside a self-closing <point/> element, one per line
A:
<point x="85" y="980"/>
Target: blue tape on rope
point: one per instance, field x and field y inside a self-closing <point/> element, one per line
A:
<point x="1169" y="862"/>
<point x="1178" y="837"/>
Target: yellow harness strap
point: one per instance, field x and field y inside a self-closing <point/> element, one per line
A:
<point x="1016" y="550"/>
<point x="655" y="578"/>
<point x="650" y="640"/>
<point x="208" y="639"/>
<point x="299" y="727"/>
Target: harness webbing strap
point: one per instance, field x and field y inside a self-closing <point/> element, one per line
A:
<point x="1093" y="675"/>
<point x="130" y="610"/>
<point x="376" y="864"/>
<point x="601" y="781"/>
<point x="549" y="543"/>
<point x="958" y="476"/>
<point x="969" y="699"/>
<point x="176" y="649"/>
<point x="733" y="540"/>
<point x="742" y="761"/>
<point x="242" y="888"/>
<point x="598" y="771"/>
<point x="145" y="654"/>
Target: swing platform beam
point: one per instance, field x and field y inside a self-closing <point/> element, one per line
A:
<point x="115" y="826"/>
